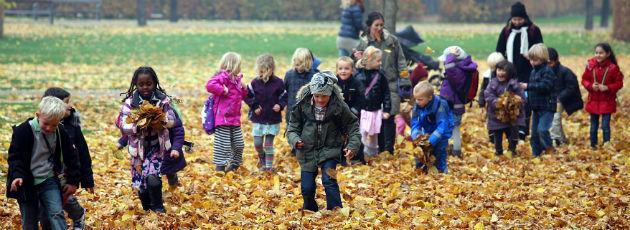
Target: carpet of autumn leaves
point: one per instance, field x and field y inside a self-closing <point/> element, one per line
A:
<point x="574" y="188"/>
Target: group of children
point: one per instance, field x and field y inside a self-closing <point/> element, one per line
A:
<point x="332" y="118"/>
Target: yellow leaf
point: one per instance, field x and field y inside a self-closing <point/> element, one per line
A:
<point x="345" y="211"/>
<point x="479" y="226"/>
<point x="276" y="182"/>
<point x="601" y="213"/>
<point x="540" y="190"/>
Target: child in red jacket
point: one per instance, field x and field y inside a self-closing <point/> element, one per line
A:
<point x="602" y="79"/>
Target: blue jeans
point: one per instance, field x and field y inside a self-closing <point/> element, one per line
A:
<point x="49" y="196"/>
<point x="72" y="207"/>
<point x="333" y="197"/>
<point x="440" y="157"/>
<point x="605" y="128"/>
<point x="540" y="136"/>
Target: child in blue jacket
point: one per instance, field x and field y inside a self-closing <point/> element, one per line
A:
<point x="431" y="115"/>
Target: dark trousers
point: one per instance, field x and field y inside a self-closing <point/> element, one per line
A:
<point x="512" y="136"/>
<point x="333" y="196"/>
<point x="387" y="137"/>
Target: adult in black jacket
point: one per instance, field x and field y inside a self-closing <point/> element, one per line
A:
<point x="568" y="92"/>
<point x="33" y="166"/>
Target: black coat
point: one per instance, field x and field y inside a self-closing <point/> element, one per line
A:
<point x="20" y="153"/>
<point x="534" y="36"/>
<point x="72" y="125"/>
<point x="540" y="89"/>
<point x="567" y="89"/>
<point x="352" y="90"/>
<point x="378" y="97"/>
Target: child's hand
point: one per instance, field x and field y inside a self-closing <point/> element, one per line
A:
<point x="595" y="87"/>
<point x="119" y="147"/>
<point x="225" y="90"/>
<point x="258" y="111"/>
<point x="174" y="154"/>
<point x="348" y="154"/>
<point x="69" y="189"/>
<point x="357" y="54"/>
<point x="523" y="85"/>
<point x="277" y="108"/>
<point x="483" y="113"/>
<point x="299" y="144"/>
<point x="386" y="116"/>
<point x="243" y="85"/>
<point x="169" y="124"/>
<point x="518" y="99"/>
<point x="17" y="182"/>
<point x="603" y="88"/>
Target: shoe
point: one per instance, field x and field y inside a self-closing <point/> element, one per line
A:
<point x="557" y="143"/>
<point x="220" y="168"/>
<point x="80" y="223"/>
<point x="458" y="154"/>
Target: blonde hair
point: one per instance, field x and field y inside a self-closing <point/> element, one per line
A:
<point x="369" y="52"/>
<point x="493" y="59"/>
<point x="423" y="88"/>
<point x="265" y="66"/>
<point x="302" y="59"/>
<point x="231" y="62"/>
<point x="539" y="52"/>
<point x="347" y="3"/>
<point x="52" y="107"/>
<point x="345" y="59"/>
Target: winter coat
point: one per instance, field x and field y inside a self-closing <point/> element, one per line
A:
<point x="325" y="144"/>
<point x="19" y="159"/>
<point x="266" y="95"/>
<point x="435" y="119"/>
<point x="379" y="95"/>
<point x="351" y="22"/>
<point x="567" y="89"/>
<point x="227" y="107"/>
<point x="393" y="62"/>
<point x="534" y="36"/>
<point x="455" y="73"/>
<point x="540" y="95"/>
<point x="492" y="93"/>
<point x="177" y="136"/>
<point x="72" y="125"/>
<point x="293" y="81"/>
<point x="487" y="77"/>
<point x="352" y="90"/>
<point x="599" y="102"/>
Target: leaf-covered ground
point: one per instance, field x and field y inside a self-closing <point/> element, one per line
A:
<point x="575" y="188"/>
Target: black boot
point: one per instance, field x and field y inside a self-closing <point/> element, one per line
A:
<point x="155" y="192"/>
<point x="145" y="199"/>
<point x="172" y="179"/>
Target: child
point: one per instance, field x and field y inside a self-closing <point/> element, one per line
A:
<point x="40" y="148"/>
<point x="352" y="90"/>
<point x="457" y="66"/>
<point x="602" y="79"/>
<point x="72" y="124"/>
<point x="432" y="115"/>
<point x="229" y="91"/>
<point x="541" y="99"/>
<point x="299" y="75"/>
<point x="377" y="104"/>
<point x="490" y="74"/>
<point x="506" y="80"/>
<point x="266" y="99"/>
<point x="569" y="97"/>
<point x="147" y="146"/>
<point x="319" y="118"/>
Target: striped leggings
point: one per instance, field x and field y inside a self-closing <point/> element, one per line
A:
<point x="264" y="148"/>
<point x="228" y="146"/>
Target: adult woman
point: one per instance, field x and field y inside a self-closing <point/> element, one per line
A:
<point x="351" y="26"/>
<point x="393" y="65"/>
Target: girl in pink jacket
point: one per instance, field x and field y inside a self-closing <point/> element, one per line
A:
<point x="229" y="91"/>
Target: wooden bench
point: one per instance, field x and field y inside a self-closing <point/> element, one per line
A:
<point x="48" y="8"/>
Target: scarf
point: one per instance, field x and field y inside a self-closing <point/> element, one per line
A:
<point x="510" y="43"/>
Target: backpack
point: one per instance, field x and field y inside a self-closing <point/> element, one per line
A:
<point x="207" y="116"/>
<point x="405" y="90"/>
<point x="469" y="89"/>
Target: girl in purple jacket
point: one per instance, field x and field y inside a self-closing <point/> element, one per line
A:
<point x="266" y="99"/>
<point x="229" y="91"/>
<point x="505" y="81"/>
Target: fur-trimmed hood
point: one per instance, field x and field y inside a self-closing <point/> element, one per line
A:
<point x="305" y="92"/>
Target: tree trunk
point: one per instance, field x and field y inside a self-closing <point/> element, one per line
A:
<point x="433" y="7"/>
<point x="141" y="12"/>
<point x="173" y="15"/>
<point x="621" y="27"/>
<point x="1" y="21"/>
<point x="390" y="8"/>
<point x="605" y="13"/>
<point x="588" y="25"/>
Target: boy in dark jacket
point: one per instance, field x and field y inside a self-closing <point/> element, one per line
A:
<point x="541" y="99"/>
<point x="38" y="147"/>
<point x="568" y="93"/>
<point x="72" y="124"/>
<point x="319" y="118"/>
<point x="352" y="90"/>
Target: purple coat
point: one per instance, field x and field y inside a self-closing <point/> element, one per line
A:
<point x="176" y="134"/>
<point x="227" y="107"/>
<point x="493" y="92"/>
<point x="455" y="72"/>
<point x="266" y="95"/>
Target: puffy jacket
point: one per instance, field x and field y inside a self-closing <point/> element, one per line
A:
<point x="540" y="95"/>
<point x="494" y="90"/>
<point x="455" y="73"/>
<point x="351" y="22"/>
<point x="599" y="102"/>
<point x="379" y="95"/>
<point x="435" y="118"/>
<point x="227" y="107"/>
<point x="567" y="89"/>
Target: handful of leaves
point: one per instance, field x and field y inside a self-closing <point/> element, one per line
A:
<point x="423" y="151"/>
<point x="147" y="115"/>
<point x="508" y="107"/>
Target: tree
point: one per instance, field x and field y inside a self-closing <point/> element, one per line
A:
<point x="605" y="13"/>
<point x="621" y="27"/>
<point x="141" y="12"/>
<point x="588" y="25"/>
<point x="390" y="8"/>
<point x="1" y="20"/>
<point x="173" y="16"/>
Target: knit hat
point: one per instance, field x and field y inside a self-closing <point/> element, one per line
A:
<point x="518" y="10"/>
<point x="447" y="51"/>
<point x="323" y="83"/>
